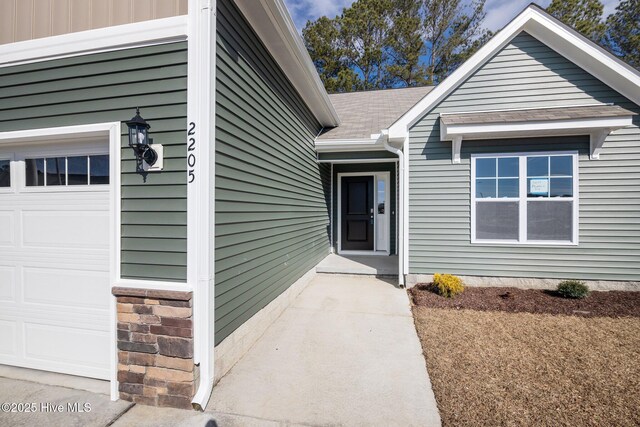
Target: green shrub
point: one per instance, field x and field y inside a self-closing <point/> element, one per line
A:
<point x="448" y="285"/>
<point x="573" y="289"/>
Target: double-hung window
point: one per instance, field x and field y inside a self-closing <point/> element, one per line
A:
<point x="528" y="198"/>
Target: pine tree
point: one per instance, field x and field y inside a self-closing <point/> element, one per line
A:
<point x="623" y="32"/>
<point x="583" y="15"/>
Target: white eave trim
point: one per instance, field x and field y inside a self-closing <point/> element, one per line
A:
<point x="271" y="21"/>
<point x="597" y="128"/>
<point x="564" y="40"/>
<point x="342" y="145"/>
<point x="157" y="31"/>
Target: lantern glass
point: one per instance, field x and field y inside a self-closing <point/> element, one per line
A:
<point x="138" y="136"/>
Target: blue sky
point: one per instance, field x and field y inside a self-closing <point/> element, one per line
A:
<point x="499" y="12"/>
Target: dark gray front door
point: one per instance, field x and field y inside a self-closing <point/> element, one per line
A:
<point x="357" y="213"/>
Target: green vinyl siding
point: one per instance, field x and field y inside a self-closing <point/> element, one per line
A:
<point x="106" y="87"/>
<point x="393" y="184"/>
<point x="526" y="73"/>
<point x="271" y="194"/>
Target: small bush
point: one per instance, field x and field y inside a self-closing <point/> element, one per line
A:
<point x="573" y="289"/>
<point x="448" y="285"/>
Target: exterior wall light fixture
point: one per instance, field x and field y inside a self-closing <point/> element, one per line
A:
<point x="139" y="141"/>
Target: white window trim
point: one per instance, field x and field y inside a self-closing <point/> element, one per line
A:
<point x="385" y="251"/>
<point x="523" y="199"/>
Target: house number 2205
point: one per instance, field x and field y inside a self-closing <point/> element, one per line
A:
<point x="191" y="148"/>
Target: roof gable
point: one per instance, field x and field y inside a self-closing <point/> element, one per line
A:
<point x="552" y="33"/>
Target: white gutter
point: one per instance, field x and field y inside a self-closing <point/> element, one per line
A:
<point x="200" y="187"/>
<point x="400" y="208"/>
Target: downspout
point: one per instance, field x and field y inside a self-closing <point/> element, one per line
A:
<point x="201" y="112"/>
<point x="400" y="208"/>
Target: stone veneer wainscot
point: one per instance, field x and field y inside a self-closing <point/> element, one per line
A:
<point x="155" y="347"/>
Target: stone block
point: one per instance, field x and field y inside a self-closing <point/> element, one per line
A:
<point x="142" y="309"/>
<point x="171" y="331"/>
<point x="137" y="347"/>
<point x="168" y="375"/>
<point x="130" y="388"/>
<point x="174" y="402"/>
<point x="174" y="363"/>
<point x="175" y="347"/>
<point x="168" y="311"/>
<point x="178" y="323"/>
<point x="142" y="359"/>
<point x="145" y="338"/>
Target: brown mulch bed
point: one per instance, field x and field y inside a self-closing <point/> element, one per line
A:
<point x="514" y="300"/>
<point x="491" y="368"/>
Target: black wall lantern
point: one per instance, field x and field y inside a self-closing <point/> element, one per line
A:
<point x="139" y="140"/>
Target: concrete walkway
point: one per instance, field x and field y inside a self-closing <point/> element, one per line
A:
<point x="345" y="353"/>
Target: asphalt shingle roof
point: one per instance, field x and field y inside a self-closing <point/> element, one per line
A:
<point x="536" y="115"/>
<point x="365" y="113"/>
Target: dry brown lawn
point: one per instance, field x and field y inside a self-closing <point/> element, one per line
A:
<point x="491" y="368"/>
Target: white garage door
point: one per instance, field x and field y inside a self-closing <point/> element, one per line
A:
<point x="54" y="258"/>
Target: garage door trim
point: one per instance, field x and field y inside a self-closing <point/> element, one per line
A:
<point x="112" y="130"/>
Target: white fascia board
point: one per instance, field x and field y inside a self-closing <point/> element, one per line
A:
<point x="118" y="37"/>
<point x="333" y="145"/>
<point x="271" y="21"/>
<point x="538" y="128"/>
<point x="564" y="40"/>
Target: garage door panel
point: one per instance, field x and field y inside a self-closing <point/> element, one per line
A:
<point x="8" y="339"/>
<point x="7" y="228"/>
<point x="82" y="350"/>
<point x="65" y="229"/>
<point x="7" y="283"/>
<point x="66" y="287"/>
<point x="54" y="274"/>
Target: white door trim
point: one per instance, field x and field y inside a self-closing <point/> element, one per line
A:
<point x="375" y="251"/>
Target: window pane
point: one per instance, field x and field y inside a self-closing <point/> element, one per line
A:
<point x="34" y="172"/>
<point x="561" y="166"/>
<point x="508" y="167"/>
<point x="381" y="196"/>
<point x="56" y="171"/>
<point x="99" y="169"/>
<point x="508" y="188"/>
<point x="497" y="220"/>
<point x="485" y="167"/>
<point x="485" y="188"/>
<point x="538" y="166"/>
<point x="561" y="187"/>
<point x="550" y="220"/>
<point x="5" y="173"/>
<point x="537" y="187"/>
<point x="77" y="170"/>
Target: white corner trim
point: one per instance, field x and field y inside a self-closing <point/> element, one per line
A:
<point x="271" y="21"/>
<point x="118" y="37"/>
<point x="549" y="31"/>
<point x="201" y="99"/>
